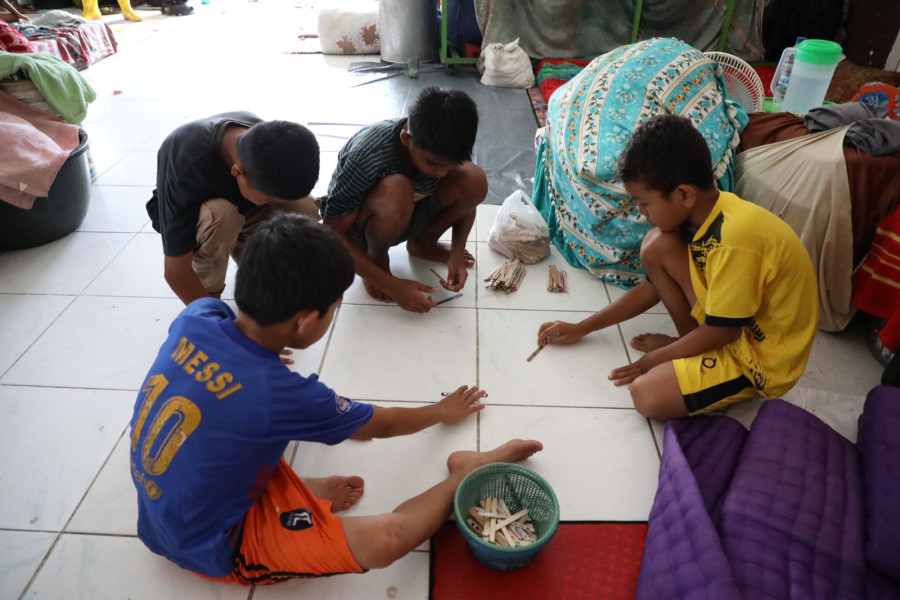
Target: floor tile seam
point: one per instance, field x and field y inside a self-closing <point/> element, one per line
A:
<point x="62" y="532"/>
<point x="109" y="262"/>
<point x="489" y="403"/>
<point x="42" y="333"/>
<point x="477" y="377"/>
<point x="96" y="477"/>
<point x="66" y="387"/>
<point x="476" y="307"/>
<point x="73" y="296"/>
<point x="132" y="297"/>
<point x="139" y="230"/>
<point x="656" y="442"/>
<point x="99" y="173"/>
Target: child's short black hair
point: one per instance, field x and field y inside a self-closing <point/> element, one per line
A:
<point x="290" y="264"/>
<point x="444" y="122"/>
<point x="667" y="151"/>
<point x="280" y="158"/>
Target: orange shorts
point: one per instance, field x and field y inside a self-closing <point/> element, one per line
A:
<point x="289" y="533"/>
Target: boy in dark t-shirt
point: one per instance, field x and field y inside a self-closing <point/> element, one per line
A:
<point x="217" y="179"/>
<point x="409" y="180"/>
<point x="218" y="408"/>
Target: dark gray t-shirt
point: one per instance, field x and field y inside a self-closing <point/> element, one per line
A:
<point x="369" y="156"/>
<point x="189" y="171"/>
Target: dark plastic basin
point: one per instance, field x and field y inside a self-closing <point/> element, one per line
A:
<point x="60" y="213"/>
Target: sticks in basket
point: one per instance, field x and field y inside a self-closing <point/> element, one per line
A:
<point x="494" y="523"/>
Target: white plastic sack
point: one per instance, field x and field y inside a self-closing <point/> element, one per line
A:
<point x="506" y="66"/>
<point x="519" y="231"/>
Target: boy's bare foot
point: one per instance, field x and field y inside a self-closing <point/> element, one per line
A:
<point x="647" y="342"/>
<point x="343" y="492"/>
<point x="384" y="262"/>
<point x="376" y="292"/>
<point x="440" y="252"/>
<point x="464" y="462"/>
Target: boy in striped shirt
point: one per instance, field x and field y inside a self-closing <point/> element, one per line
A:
<point x="409" y="180"/>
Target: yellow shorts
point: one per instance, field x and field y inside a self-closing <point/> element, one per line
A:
<point x="712" y="381"/>
<point x="289" y="533"/>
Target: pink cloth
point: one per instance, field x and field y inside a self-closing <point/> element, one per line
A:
<point x="36" y="144"/>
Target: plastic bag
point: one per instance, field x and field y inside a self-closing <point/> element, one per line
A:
<point x="506" y="66"/>
<point x="519" y="231"/>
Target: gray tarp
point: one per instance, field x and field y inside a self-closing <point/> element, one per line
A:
<point x="588" y="28"/>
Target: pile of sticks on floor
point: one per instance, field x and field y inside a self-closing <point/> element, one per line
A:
<point x="507" y="277"/>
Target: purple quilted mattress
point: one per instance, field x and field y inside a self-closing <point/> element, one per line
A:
<point x="777" y="513"/>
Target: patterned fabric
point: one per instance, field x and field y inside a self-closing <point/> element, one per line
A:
<point x="593" y="222"/>
<point x="11" y="40"/>
<point x="876" y="285"/>
<point x="880" y="94"/>
<point x="79" y="46"/>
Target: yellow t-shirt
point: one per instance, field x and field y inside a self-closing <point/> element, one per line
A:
<point x="749" y="269"/>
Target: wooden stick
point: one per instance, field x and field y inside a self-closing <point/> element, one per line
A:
<point x="449" y="299"/>
<point x="443" y="281"/>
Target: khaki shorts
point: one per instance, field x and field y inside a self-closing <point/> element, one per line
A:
<point x="222" y="232"/>
<point x="289" y="533"/>
<point x="713" y="380"/>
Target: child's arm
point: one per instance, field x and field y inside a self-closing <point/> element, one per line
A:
<point x="391" y="422"/>
<point x="700" y="340"/>
<point x="636" y="301"/>
<point x="180" y="276"/>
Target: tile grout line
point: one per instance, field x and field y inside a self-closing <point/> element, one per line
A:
<point x="49" y="325"/>
<point x="62" y="531"/>
<point x="108" y="263"/>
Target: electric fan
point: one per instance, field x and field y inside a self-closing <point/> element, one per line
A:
<point x="741" y="81"/>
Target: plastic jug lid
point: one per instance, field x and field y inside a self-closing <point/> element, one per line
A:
<point x="819" y="52"/>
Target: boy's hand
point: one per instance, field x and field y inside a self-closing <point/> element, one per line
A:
<point x="460" y="404"/>
<point x="410" y="295"/>
<point x="456" y="273"/>
<point x="559" y="332"/>
<point x="627" y="374"/>
<point x="286" y="356"/>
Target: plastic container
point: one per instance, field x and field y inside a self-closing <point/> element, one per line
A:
<point x="408" y="29"/>
<point x="778" y="85"/>
<point x="520" y="488"/>
<point x="59" y="213"/>
<point x="814" y="65"/>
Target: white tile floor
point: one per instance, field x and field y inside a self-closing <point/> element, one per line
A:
<point x="81" y="320"/>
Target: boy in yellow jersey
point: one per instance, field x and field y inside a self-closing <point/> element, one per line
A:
<point x="735" y="279"/>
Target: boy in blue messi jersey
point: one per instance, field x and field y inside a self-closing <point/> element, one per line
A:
<point x="218" y="409"/>
<point x="409" y="180"/>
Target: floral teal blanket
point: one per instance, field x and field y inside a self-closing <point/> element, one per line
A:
<point x="592" y="220"/>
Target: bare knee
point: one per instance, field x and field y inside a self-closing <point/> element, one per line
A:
<point x="656" y="400"/>
<point x="659" y="247"/>
<point x="387" y="545"/>
<point x="642" y="397"/>
<point x="391" y="198"/>
<point x="466" y="183"/>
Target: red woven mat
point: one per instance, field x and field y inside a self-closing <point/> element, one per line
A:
<point x="590" y="561"/>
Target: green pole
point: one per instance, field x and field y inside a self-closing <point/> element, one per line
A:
<point x="637" y="20"/>
<point x="726" y="25"/>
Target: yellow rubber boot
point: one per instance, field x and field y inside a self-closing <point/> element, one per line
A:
<point x="90" y="10"/>
<point x="127" y="11"/>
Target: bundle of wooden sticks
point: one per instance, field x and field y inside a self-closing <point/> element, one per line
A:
<point x="507" y="276"/>
<point x="494" y="523"/>
<point x="557" y="281"/>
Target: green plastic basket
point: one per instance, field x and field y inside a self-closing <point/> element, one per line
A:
<point x="519" y="488"/>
